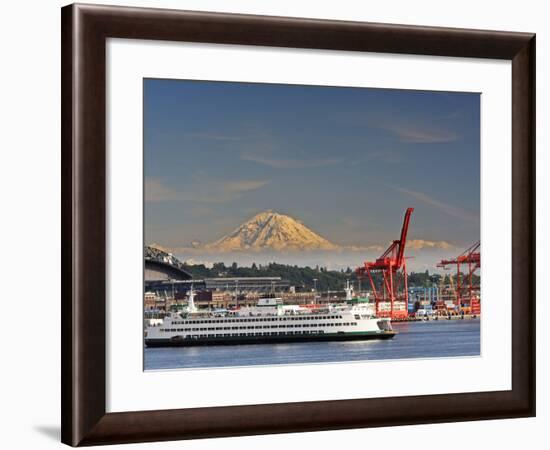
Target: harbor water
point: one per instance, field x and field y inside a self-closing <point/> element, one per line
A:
<point x="432" y="339"/>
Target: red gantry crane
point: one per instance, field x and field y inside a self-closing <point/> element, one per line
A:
<point x="394" y="273"/>
<point x="472" y="258"/>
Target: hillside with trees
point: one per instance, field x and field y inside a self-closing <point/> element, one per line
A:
<point x="303" y="277"/>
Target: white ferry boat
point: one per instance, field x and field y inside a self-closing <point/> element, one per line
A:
<point x="268" y="322"/>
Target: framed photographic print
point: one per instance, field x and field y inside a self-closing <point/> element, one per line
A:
<point x="275" y="225"/>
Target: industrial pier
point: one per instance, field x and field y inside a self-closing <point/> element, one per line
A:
<point x="454" y="296"/>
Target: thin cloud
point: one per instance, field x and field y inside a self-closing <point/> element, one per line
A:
<point x="412" y="244"/>
<point x="214" y="136"/>
<point x="420" y="135"/>
<point x="288" y="163"/>
<point x="156" y="191"/>
<point x="240" y="186"/>
<point x="205" y="192"/>
<point x="364" y="248"/>
<point x="420" y="244"/>
<point x="444" y="207"/>
<point x="386" y="156"/>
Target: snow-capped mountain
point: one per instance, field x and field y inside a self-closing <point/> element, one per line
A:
<point x="271" y="231"/>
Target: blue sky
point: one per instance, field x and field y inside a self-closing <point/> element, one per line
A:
<point x="345" y="161"/>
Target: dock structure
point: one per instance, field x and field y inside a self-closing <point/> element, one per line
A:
<point x="257" y="284"/>
<point x="391" y="266"/>
<point x="467" y="292"/>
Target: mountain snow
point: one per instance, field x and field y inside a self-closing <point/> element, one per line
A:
<point x="271" y="231"/>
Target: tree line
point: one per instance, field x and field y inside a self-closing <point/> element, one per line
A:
<point x="305" y="278"/>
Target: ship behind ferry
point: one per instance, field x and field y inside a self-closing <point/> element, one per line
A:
<point x="270" y="321"/>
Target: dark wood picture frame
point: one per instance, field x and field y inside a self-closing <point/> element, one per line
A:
<point x="85" y="29"/>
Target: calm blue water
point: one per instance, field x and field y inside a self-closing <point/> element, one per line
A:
<point x="415" y="340"/>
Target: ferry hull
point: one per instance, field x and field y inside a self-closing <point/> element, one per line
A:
<point x="240" y="340"/>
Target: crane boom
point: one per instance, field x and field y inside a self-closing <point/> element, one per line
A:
<point x="403" y="239"/>
<point x="391" y="266"/>
<point x="471" y="257"/>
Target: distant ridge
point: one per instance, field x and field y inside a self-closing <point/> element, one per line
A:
<point x="270" y="230"/>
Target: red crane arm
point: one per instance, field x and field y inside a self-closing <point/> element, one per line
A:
<point x="403" y="240"/>
<point x="470" y="255"/>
